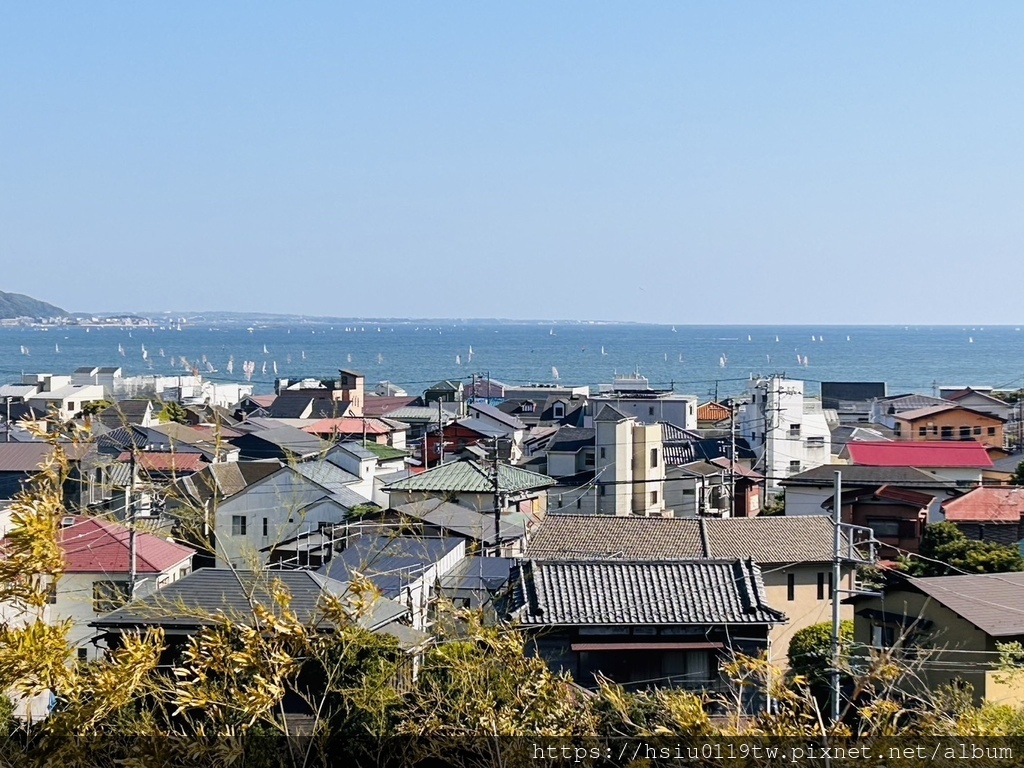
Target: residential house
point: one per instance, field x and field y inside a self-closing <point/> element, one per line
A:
<point x="794" y="553"/>
<point x="989" y="514"/>
<point x="788" y="431"/>
<point x="961" y="462"/>
<point x="697" y="489"/>
<point x="711" y="415"/>
<point x="485" y="390"/>
<point x="514" y="429"/>
<point x="644" y="624"/>
<point x="437" y="517"/>
<point x="807" y="492"/>
<point x="447" y="391"/>
<point x="97" y="575"/>
<point x="629" y="465"/>
<point x="107" y="377"/>
<point x="521" y="494"/>
<point x="978" y="399"/>
<point x="948" y="629"/>
<point x="64" y="401"/>
<point x="478" y="583"/>
<point x="284" y="443"/>
<point x="884" y="410"/>
<point x="405" y="569"/>
<point x="364" y="428"/>
<point x="127" y="412"/>
<point x="240" y="512"/>
<point x="209" y="596"/>
<point x="549" y="409"/>
<point x="633" y="396"/>
<point x="897" y="516"/>
<point x="949" y="422"/>
<point x="452" y="439"/>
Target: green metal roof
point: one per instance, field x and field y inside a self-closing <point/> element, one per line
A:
<point x="385" y="452"/>
<point x="471" y="477"/>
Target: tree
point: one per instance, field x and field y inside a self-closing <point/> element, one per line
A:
<point x="946" y="550"/>
<point x="810" y="650"/>
<point x="173" y="412"/>
<point x="774" y="505"/>
<point x="1018" y="474"/>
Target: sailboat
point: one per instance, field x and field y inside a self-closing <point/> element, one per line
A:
<point x="666" y="356"/>
<point x="847" y="338"/>
<point x="551" y="331"/>
<point x="680" y="357"/>
<point x="970" y="339"/>
<point x="304" y="355"/>
<point x="458" y="359"/>
<point x="748" y="337"/>
<point x="231" y="365"/>
<point x="56" y="348"/>
<point x="264" y="366"/>
<point x="380" y="359"/>
<point x="776" y="339"/>
<point x="723" y="361"/>
<point x="813" y="339"/>
<point x="470" y="358"/>
<point x="161" y="352"/>
<point x="674" y="329"/>
<point x="120" y="350"/>
<point x="275" y="367"/>
<point x="24" y="349"/>
<point x="603" y="353"/>
<point x="265" y="349"/>
<point x="554" y="373"/>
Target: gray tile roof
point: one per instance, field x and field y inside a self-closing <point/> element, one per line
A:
<point x="390" y="562"/>
<point x="471" y="477"/>
<point x="572" y="439"/>
<point x="496" y="414"/>
<point x="768" y="540"/>
<point x="459" y="520"/>
<point x="608" y="413"/>
<point x="991" y="602"/>
<point x="856" y="474"/>
<point x="209" y="595"/>
<point x="221" y="481"/>
<point x="617" y="593"/>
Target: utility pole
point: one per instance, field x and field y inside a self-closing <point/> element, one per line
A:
<point x="732" y="455"/>
<point x="132" y="569"/>
<point x="497" y="502"/>
<point x="7" y="424"/>
<point x="837" y="521"/>
<point x="440" y="433"/>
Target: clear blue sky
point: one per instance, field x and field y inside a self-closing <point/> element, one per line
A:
<point x="668" y="162"/>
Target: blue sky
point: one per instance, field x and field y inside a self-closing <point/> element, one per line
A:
<point x="666" y="162"/>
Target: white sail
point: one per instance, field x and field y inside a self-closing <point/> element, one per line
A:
<point x="231" y="365"/>
<point x="458" y="359"/>
<point x="264" y="366"/>
<point x="56" y="347"/>
<point x="723" y="361"/>
<point x="304" y="355"/>
<point x="554" y="373"/>
<point x="275" y="367"/>
<point x="348" y="358"/>
<point x="602" y="351"/>
<point x="264" y="349"/>
<point x="380" y="359"/>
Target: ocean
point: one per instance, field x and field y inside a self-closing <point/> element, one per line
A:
<point x="693" y="359"/>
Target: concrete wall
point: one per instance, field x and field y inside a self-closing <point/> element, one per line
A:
<point x="806" y="608"/>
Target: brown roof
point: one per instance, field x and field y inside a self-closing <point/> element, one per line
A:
<point x="166" y="461"/>
<point x="994" y="603"/>
<point x="934" y="410"/>
<point x="763" y="539"/>
<point x="379" y="406"/>
<point x="987" y="505"/>
<point x="712" y="412"/>
<point x="29" y="457"/>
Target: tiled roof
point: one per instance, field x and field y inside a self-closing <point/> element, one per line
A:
<point x="470" y="477"/>
<point x="92" y="545"/>
<point x="856" y="474"/>
<point x="483" y="409"/>
<point x="379" y="406"/>
<point x="609" y="593"/>
<point x="461" y="520"/>
<point x="211" y="594"/>
<point x="991" y="602"/>
<point x="608" y="413"/>
<point x="348" y="426"/>
<point x="900" y="403"/>
<point x="934" y="410"/>
<point x="23" y="457"/>
<point x="938" y="454"/>
<point x="572" y="439"/>
<point x="221" y="481"/>
<point x="987" y="504"/>
<point x="712" y="412"/>
<point x="390" y="562"/>
<point x="170" y="461"/>
<point x="762" y="539"/>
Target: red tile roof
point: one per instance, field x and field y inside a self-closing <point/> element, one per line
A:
<point x="348" y="426"/>
<point x="92" y="545"/>
<point x="712" y="412"/>
<point x="937" y="454"/>
<point x="987" y="505"/>
<point x="905" y="495"/>
<point x="166" y="461"/>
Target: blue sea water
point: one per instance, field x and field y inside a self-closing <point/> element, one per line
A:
<point x="694" y="359"/>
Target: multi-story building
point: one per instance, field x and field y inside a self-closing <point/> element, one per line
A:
<point x="787" y="431"/>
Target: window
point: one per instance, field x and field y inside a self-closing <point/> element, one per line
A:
<point x="650" y="410"/>
<point x="108" y="596"/>
<point x="977" y="430"/>
<point x="51" y="594"/>
<point x="266" y="527"/>
<point x="922" y="431"/>
<point x="947" y="433"/>
<point x="991" y="430"/>
<point x="602" y="452"/>
<point x="794" y="466"/>
<point x="579" y="502"/>
<point x="604" y="488"/>
<point x="588" y="459"/>
<point x="883" y="636"/>
<point x="794" y="430"/>
<point x="791" y="587"/>
<point x="823" y="579"/>
<point x="83" y="654"/>
<point x="654" y="457"/>
<point x="183" y="572"/>
<point x="654" y="497"/>
<point x="965" y="433"/>
<point x="889" y="529"/>
<point x="559" y="410"/>
<point x="527" y="408"/>
<point x="238" y="525"/>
